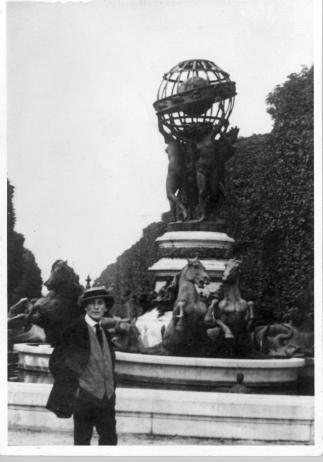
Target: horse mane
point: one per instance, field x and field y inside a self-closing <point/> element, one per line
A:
<point x="176" y="279"/>
<point x="56" y="263"/>
<point x="78" y="288"/>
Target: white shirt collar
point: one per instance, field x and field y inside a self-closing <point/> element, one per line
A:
<point x="90" y="321"/>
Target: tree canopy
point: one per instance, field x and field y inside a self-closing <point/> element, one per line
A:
<point x="24" y="279"/>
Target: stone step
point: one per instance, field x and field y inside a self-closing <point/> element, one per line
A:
<point x="195" y="239"/>
<point x="172" y="266"/>
<point x="179" y="413"/>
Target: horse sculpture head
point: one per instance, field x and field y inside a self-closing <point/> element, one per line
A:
<point x="231" y="271"/>
<point x="63" y="276"/>
<point x="195" y="272"/>
<point x="59" y="307"/>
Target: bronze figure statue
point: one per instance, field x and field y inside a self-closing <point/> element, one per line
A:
<point x="211" y="156"/>
<point x="176" y="171"/>
<point x="59" y="307"/>
<point x="193" y="106"/>
<point x="293" y="337"/>
<point x="205" y="156"/>
<point x="43" y="318"/>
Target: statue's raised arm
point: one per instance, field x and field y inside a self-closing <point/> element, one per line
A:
<point x="167" y="136"/>
<point x="229" y="139"/>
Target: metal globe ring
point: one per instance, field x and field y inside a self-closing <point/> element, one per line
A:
<point x="195" y="93"/>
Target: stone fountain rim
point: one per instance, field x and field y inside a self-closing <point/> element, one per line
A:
<point x="212" y="362"/>
<point x="268" y="363"/>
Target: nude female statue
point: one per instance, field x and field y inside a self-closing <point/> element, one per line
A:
<point x="211" y="156"/>
<point x="176" y="171"/>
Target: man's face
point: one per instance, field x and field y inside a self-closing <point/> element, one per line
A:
<point x="96" y="308"/>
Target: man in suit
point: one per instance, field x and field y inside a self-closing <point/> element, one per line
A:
<point x="83" y="369"/>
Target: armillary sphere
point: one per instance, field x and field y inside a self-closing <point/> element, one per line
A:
<point x="193" y="97"/>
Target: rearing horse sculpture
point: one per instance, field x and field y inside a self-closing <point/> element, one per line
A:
<point x="182" y="333"/>
<point x="231" y="316"/>
<point x="59" y="307"/>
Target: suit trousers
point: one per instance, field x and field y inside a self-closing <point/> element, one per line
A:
<point x="90" y="412"/>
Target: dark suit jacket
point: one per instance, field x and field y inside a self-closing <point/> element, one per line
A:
<point x="67" y="362"/>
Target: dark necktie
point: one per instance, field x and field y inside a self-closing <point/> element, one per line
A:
<point x="98" y="332"/>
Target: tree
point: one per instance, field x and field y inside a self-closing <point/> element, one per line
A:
<point x="15" y="242"/>
<point x="31" y="282"/>
<point x="23" y="273"/>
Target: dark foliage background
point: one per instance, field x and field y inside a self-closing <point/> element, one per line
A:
<point x="269" y="209"/>
<point x="24" y="279"/>
<point x="270" y="201"/>
<point x="130" y="270"/>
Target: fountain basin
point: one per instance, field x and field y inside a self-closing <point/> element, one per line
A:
<point x="208" y="372"/>
<point x="182" y="371"/>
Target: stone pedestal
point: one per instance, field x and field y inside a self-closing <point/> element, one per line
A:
<point x="205" y="240"/>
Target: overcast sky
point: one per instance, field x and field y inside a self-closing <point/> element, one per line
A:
<point x="84" y="152"/>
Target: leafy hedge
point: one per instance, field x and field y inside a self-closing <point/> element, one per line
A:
<point x="270" y="200"/>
